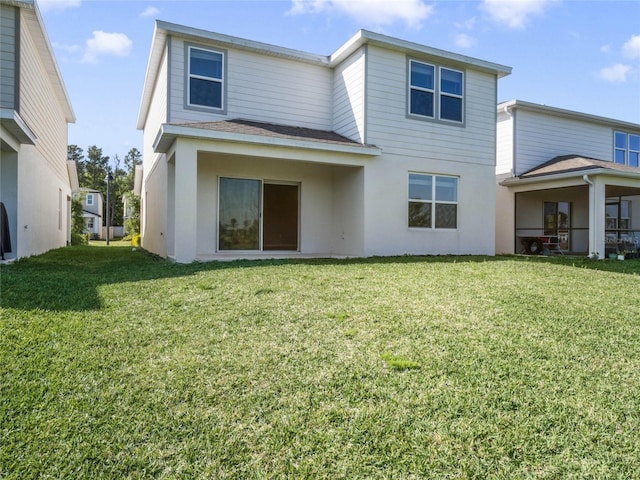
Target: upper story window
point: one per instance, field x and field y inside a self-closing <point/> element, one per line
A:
<point x="436" y="93"/>
<point x="205" y="78"/>
<point x="433" y="201"/>
<point x="626" y="149"/>
<point x="89" y="198"/>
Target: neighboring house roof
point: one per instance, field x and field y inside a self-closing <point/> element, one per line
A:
<point x="561" y="112"/>
<point x="260" y="132"/>
<point x="576" y="163"/>
<point x="87" y="213"/>
<point x="362" y="37"/>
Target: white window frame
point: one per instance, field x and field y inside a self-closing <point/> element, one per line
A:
<point x="434" y="201"/>
<point x="220" y="80"/>
<point x="626" y="150"/>
<point x="451" y="95"/>
<point x="89" y="200"/>
<point x="422" y="89"/>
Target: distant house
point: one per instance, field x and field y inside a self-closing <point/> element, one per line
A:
<point x="36" y="181"/>
<point x="251" y="150"/>
<point x="567" y="175"/>
<point x="92" y="212"/>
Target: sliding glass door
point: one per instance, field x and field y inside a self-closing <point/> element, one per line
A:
<point x="255" y="215"/>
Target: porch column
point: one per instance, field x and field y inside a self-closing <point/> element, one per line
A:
<point x="597" y="201"/>
<point x="185" y="201"/>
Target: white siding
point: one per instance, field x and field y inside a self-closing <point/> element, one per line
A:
<point x="7" y="56"/>
<point x="40" y="109"/>
<point x="348" y="97"/>
<point x="388" y="124"/>
<point x="540" y="137"/>
<point x="261" y="88"/>
<point x="504" y="144"/>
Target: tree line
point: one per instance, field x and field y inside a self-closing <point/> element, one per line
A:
<point x="93" y="168"/>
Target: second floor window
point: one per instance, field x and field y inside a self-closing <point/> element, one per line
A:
<point x="89" y="198"/>
<point x="436" y="93"/>
<point x="626" y="149"/>
<point x="205" y="78"/>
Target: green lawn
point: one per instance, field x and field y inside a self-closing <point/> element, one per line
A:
<point x="115" y="364"/>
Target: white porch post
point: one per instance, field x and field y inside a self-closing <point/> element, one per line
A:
<point x="597" y="202"/>
<point x="185" y="201"/>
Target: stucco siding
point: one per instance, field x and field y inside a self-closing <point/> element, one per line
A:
<point x="349" y="97"/>
<point x="540" y="138"/>
<point x="40" y="109"/>
<point x="258" y="87"/>
<point x="504" y="144"/>
<point x="7" y="56"/>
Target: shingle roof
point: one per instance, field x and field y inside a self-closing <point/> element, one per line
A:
<point x="575" y="163"/>
<point x="248" y="127"/>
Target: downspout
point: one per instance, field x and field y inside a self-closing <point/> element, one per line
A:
<point x="592" y="224"/>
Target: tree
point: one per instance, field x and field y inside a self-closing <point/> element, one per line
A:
<point x="96" y="167"/>
<point x="131" y="160"/>
<point x="76" y="154"/>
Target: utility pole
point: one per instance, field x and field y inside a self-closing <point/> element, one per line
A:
<point x="109" y="179"/>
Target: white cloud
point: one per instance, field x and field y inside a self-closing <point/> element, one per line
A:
<point x="631" y="48"/>
<point x="65" y="48"/>
<point x="104" y="43"/>
<point x="515" y="13"/>
<point x="615" y="73"/>
<point x="605" y="48"/>
<point x="57" y="5"/>
<point x="369" y="12"/>
<point x="467" y="24"/>
<point x="463" y="40"/>
<point x="150" y="12"/>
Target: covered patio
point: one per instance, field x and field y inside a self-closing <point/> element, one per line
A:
<point x="574" y="205"/>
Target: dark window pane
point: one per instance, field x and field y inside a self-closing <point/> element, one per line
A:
<point x="422" y="103"/>
<point x="419" y="215"/>
<point x="239" y="214"/>
<point x="620" y="140"/>
<point x="447" y="189"/>
<point x="620" y="157"/>
<point x="634" y="142"/>
<point x="446" y="215"/>
<point x="451" y="108"/>
<point x="205" y="63"/>
<point x="633" y="159"/>
<point x="420" y="186"/>
<point x="450" y="81"/>
<point x="422" y="75"/>
<point x="205" y="92"/>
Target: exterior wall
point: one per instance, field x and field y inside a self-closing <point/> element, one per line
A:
<point x="154" y="183"/>
<point x="541" y="137"/>
<point x="349" y="97"/>
<point x="505" y="217"/>
<point x="413" y="145"/>
<point x="259" y="87"/>
<point x="504" y="143"/>
<point x="8" y="48"/>
<point x="318" y="202"/>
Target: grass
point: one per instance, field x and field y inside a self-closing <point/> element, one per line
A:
<point x="116" y="364"/>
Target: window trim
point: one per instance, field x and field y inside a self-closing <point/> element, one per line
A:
<point x="434" y="201"/>
<point x="89" y="200"/>
<point x="188" y="47"/>
<point x="627" y="150"/>
<point x="437" y="93"/>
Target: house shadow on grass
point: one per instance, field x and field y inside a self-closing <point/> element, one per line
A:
<point x="69" y="279"/>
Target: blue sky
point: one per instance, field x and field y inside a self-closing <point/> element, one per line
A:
<point x="578" y="55"/>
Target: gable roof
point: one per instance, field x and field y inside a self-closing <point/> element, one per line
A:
<point x="578" y="164"/>
<point x="250" y="131"/>
<point x="163" y="30"/>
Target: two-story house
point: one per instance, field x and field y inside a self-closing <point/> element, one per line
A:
<point x="251" y="150"/>
<point x="92" y="211"/>
<point x="568" y="177"/>
<point x="36" y="181"/>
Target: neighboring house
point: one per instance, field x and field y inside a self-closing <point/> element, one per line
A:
<point x="36" y="180"/>
<point x="385" y="147"/>
<point x="92" y="211"/>
<point x="569" y="175"/>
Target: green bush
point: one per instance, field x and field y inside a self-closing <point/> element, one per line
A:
<point x="79" y="238"/>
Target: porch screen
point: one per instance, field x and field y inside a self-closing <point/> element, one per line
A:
<point x="239" y="214"/>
